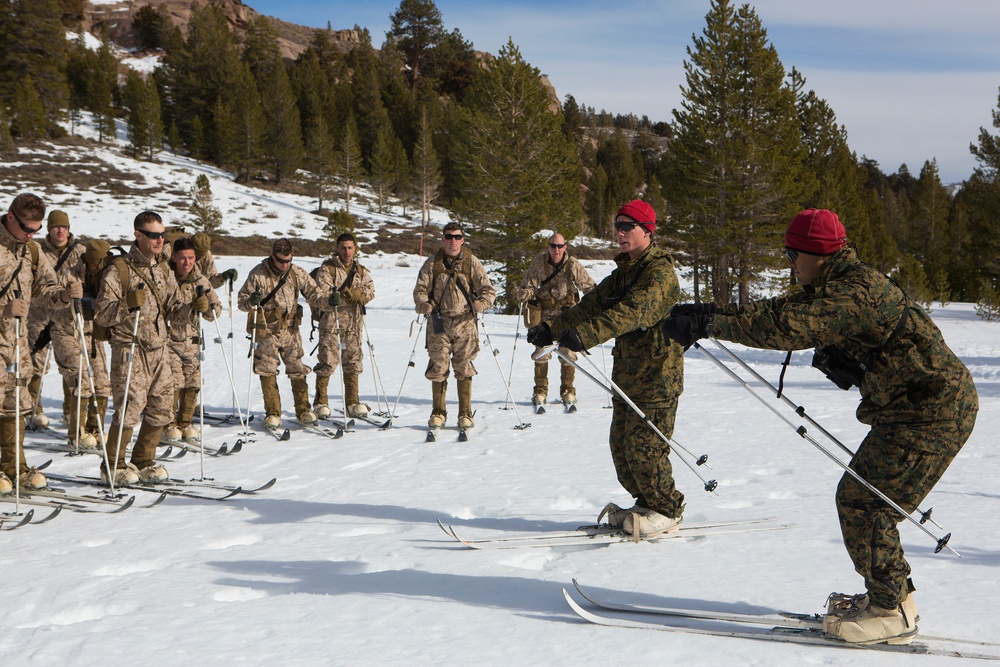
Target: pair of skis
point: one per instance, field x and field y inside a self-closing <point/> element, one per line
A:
<point x="199" y="489"/>
<point x="567" y="409"/>
<point x="780" y="626"/>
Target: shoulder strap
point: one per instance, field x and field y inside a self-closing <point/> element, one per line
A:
<point x="553" y="274"/>
<point x="466" y="270"/>
<point x="65" y="255"/>
<point x="350" y="276"/>
<point x="278" y="286"/>
<point x="33" y="247"/>
<point x="13" y="277"/>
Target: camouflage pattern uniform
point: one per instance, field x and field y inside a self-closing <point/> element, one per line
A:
<point x="918" y="398"/>
<point x="151" y="385"/>
<point x="648" y="366"/>
<point x="555" y="296"/>
<point x="206" y="265"/>
<point x="40" y="288"/>
<point x="458" y="343"/>
<point x="281" y="317"/>
<point x="185" y="329"/>
<point x="65" y="340"/>
<point x="329" y="278"/>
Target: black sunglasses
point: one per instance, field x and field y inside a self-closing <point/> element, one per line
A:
<point x="152" y="235"/>
<point x="557" y="245"/>
<point x="278" y="260"/>
<point x="625" y="226"/>
<point x="453" y="237"/>
<point x="24" y="228"/>
<point x="792" y="255"/>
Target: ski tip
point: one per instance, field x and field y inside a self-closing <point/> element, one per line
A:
<point x="431" y="437"/>
<point x="463" y="436"/>
<point x="287" y="435"/>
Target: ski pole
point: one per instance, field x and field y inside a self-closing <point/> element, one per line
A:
<point x="380" y="392"/>
<point x="253" y="343"/>
<point x="942" y="542"/>
<point x="801" y="411"/>
<point x="17" y="409"/>
<point x="128" y="381"/>
<point x="513" y="352"/>
<point x="232" y="355"/>
<point x="79" y="384"/>
<point x="93" y="393"/>
<point x="341" y="346"/>
<point x="604" y="363"/>
<point x="232" y="382"/>
<point x="612" y="388"/>
<point x="521" y="424"/>
<point x="409" y="364"/>
<point x="201" y="403"/>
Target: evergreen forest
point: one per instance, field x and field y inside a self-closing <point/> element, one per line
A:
<point x="426" y="119"/>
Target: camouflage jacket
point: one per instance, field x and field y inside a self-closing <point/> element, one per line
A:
<point x="915" y="378"/>
<point x="39" y="286"/>
<point x="329" y="277"/>
<point x="70" y="270"/>
<point x="281" y="310"/>
<point x="628" y="306"/>
<point x="184" y="321"/>
<point x="439" y="285"/>
<point x="561" y="291"/>
<point x="206" y="265"/>
<point x="111" y="311"/>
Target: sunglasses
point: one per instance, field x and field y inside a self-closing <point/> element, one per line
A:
<point x="557" y="245"/>
<point x="25" y="228"/>
<point x="278" y="260"/>
<point x="453" y="237"/>
<point x="152" y="235"/>
<point x="625" y="226"/>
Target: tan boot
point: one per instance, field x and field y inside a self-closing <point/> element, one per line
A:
<point x="185" y="416"/>
<point x="74" y="428"/>
<point x="870" y="624"/>
<point x="300" y="394"/>
<point x="439" y="410"/>
<point x="465" y="404"/>
<point x="566" y="391"/>
<point x="321" y="404"/>
<point x="34" y="386"/>
<point x="144" y="449"/>
<point x="96" y="409"/>
<point x="114" y="452"/>
<point x="272" y="400"/>
<point x="541" y="383"/>
<point x="29" y="478"/>
<point x="355" y="408"/>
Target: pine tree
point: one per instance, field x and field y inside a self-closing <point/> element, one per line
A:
<point x="27" y="114"/>
<point x="6" y="140"/>
<point x="738" y="151"/>
<point x="145" y="126"/>
<point x="416" y="26"/>
<point x="426" y="170"/>
<point x="322" y="155"/>
<point x="383" y="165"/>
<point x="519" y="174"/>
<point x="349" y="165"/>
<point x="207" y="217"/>
<point x="250" y="126"/>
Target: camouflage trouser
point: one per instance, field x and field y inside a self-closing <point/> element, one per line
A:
<point x="279" y="347"/>
<point x="329" y="346"/>
<point x="903" y="462"/>
<point x="35" y="328"/>
<point x="66" y="352"/>
<point x="457" y="346"/>
<point x="9" y="384"/>
<point x="99" y="363"/>
<point x="184" y="363"/>
<point x="641" y="457"/>
<point x="150" y="388"/>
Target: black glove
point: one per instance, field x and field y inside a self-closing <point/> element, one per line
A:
<point x="540" y="335"/>
<point x="693" y="309"/>
<point x="686" y="329"/>
<point x="256" y="298"/>
<point x="334" y="299"/>
<point x="230" y="275"/>
<point x="571" y="340"/>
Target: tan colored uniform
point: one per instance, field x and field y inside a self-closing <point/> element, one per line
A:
<point x="457" y="341"/>
<point x="282" y="315"/>
<point x="37" y="285"/>
<point x="151" y="387"/>
<point x="206" y="265"/>
<point x="350" y="316"/>
<point x="185" y="329"/>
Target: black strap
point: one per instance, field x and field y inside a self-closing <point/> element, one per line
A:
<point x="461" y="287"/>
<point x="781" y="378"/>
<point x="13" y="276"/>
<point x="451" y="274"/>
<point x="350" y="276"/>
<point x="65" y="255"/>
<point x="278" y="286"/>
<point x="553" y="274"/>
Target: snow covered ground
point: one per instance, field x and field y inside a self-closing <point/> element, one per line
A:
<point x="342" y="562"/>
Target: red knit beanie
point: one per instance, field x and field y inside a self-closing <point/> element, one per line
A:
<point x="816" y="231"/>
<point x="641" y="212"/>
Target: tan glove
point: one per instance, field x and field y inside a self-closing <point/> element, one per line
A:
<point x="16" y="308"/>
<point x="523" y="294"/>
<point x="200" y="304"/>
<point x="72" y="291"/>
<point x="135" y="299"/>
<point x="425" y="308"/>
<point x="353" y="295"/>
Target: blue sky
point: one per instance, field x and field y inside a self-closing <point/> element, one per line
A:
<point x="911" y="80"/>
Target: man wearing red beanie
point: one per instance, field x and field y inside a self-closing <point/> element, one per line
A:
<point x="916" y="395"/>
<point x="627" y="306"/>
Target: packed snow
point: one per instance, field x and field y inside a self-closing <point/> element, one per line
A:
<point x="342" y="561"/>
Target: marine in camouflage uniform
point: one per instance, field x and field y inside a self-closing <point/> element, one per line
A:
<point x="916" y="395"/>
<point x="139" y="285"/>
<point x="343" y="274"/>
<point x="452" y="290"/>
<point x="648" y="367"/>
<point x="278" y="315"/>
<point x="198" y="300"/>
<point x="552" y="284"/>
<point x="94" y="261"/>
<point x="58" y="325"/>
<point x="30" y="283"/>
